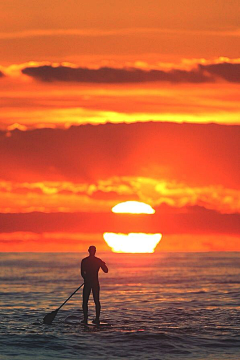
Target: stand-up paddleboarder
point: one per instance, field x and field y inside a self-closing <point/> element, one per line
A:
<point x="89" y="271"/>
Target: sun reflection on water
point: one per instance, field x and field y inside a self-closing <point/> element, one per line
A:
<point x="132" y="242"/>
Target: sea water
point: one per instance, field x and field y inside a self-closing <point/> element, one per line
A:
<point x="158" y="306"/>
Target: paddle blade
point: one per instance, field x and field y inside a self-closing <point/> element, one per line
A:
<point x="48" y="319"/>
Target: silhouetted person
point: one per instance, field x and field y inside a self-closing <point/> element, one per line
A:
<point x="89" y="271"/>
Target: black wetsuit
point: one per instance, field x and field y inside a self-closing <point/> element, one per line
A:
<point x="89" y="271"/>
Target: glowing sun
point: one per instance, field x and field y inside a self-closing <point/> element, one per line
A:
<point x="133" y="242"/>
<point x="133" y="207"/>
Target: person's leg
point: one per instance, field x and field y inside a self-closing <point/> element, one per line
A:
<point x="86" y="293"/>
<point x="96" y="290"/>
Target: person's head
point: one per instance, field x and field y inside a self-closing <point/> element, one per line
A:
<point x="92" y="250"/>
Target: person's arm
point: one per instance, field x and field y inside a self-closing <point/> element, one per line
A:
<point x="104" y="267"/>
<point x="83" y="272"/>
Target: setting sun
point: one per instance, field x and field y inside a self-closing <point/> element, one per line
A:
<point x="133" y="242"/>
<point x="133" y="207"/>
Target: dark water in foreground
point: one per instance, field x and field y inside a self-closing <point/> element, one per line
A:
<point x="160" y="306"/>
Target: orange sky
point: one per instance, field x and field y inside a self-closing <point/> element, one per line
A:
<point x="159" y="81"/>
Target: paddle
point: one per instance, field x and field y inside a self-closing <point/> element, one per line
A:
<point x="48" y="319"/>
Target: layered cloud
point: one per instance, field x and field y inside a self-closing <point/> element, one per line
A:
<point x="192" y="154"/>
<point x="59" y="185"/>
<point x="89" y="31"/>
<point x="102" y="195"/>
<point x="160" y="87"/>
<point x="202" y="74"/>
<point x="91" y="168"/>
<point x="189" y="229"/>
<point x="61" y="95"/>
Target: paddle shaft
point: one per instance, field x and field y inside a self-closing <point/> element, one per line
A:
<point x="70" y="297"/>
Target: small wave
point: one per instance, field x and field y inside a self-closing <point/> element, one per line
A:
<point x="71" y="319"/>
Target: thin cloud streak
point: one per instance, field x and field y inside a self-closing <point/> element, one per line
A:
<point x="94" y="32"/>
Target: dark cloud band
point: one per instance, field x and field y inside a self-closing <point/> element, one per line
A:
<point x="227" y="71"/>
<point x="193" y="220"/>
<point x="202" y="74"/>
<point x="108" y="75"/>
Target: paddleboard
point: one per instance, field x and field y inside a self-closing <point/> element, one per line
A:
<point x="93" y="325"/>
<point x="76" y="320"/>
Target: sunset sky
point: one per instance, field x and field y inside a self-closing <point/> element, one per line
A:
<point x="110" y="101"/>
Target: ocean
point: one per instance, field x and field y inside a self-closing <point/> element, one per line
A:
<point x="157" y="306"/>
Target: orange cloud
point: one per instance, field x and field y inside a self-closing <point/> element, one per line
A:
<point x="190" y="155"/>
<point x="81" y="98"/>
<point x="160" y="87"/>
<point x="102" y="195"/>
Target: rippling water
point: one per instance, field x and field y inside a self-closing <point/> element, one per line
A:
<point x="160" y="306"/>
